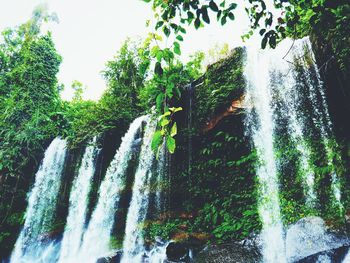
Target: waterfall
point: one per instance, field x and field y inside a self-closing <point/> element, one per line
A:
<point x="97" y="236"/>
<point x="32" y="245"/>
<point x="260" y="122"/>
<point x="284" y="85"/>
<point x="273" y="90"/>
<point x="133" y="245"/>
<point x="322" y="121"/>
<point x="78" y="204"/>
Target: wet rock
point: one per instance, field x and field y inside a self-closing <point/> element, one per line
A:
<point x="114" y="257"/>
<point x="333" y="256"/>
<point x="229" y="253"/>
<point x="177" y="252"/>
<point x="310" y="236"/>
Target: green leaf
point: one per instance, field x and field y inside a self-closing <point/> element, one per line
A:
<point x="262" y="31"/>
<point x="264" y="42"/>
<point x="190" y="15"/>
<point x="156" y="140"/>
<point x="272" y="41"/>
<point x="173" y="109"/>
<point x="166" y="31"/>
<point x="171" y="144"/>
<point x="218" y="16"/>
<point x="159" y="24"/>
<point x="180" y="38"/>
<point x="213" y="6"/>
<point x="167" y="113"/>
<point x="169" y="89"/>
<point x="159" y="55"/>
<point x="173" y="131"/>
<point x="197" y="23"/>
<point x="158" y="69"/>
<point x="223" y="20"/>
<point x="159" y="101"/>
<point x="205" y="15"/>
<point x="182" y="30"/>
<point x="164" y="121"/>
<point x="177" y="49"/>
<point x="232" y="6"/>
<point x="174" y="26"/>
<point x="231" y="16"/>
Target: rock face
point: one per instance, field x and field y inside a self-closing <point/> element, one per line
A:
<point x="310" y="236"/>
<point x="235" y="107"/>
<point x="114" y="257"/>
<point x="334" y="256"/>
<point x="177" y="251"/>
<point x="229" y="253"/>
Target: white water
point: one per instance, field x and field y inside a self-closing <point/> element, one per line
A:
<point x="97" y="236"/>
<point x="347" y="258"/>
<point x="157" y="254"/>
<point x="284" y="85"/>
<point x="320" y="107"/>
<point x="78" y="205"/>
<point x="31" y="245"/>
<point x="133" y="245"/>
<point x="260" y="121"/>
<point x="310" y="236"/>
<point x="272" y="86"/>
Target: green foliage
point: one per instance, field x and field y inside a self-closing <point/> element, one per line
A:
<point x="29" y="100"/>
<point x="168" y="130"/>
<point x="119" y="105"/>
<point x="164" y="230"/>
<point x="165" y="89"/>
<point x="222" y="83"/>
<point x="328" y="20"/>
<point x="78" y="90"/>
<point x="30" y="116"/>
<point x="116" y="243"/>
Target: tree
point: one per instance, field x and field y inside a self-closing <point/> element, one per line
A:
<point x="294" y="18"/>
<point x="29" y="106"/>
<point x="78" y="90"/>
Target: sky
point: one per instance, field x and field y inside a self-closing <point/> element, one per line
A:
<point x="90" y="32"/>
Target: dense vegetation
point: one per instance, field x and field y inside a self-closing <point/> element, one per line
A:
<point x="215" y="189"/>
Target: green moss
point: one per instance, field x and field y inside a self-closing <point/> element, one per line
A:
<point x="221" y="84"/>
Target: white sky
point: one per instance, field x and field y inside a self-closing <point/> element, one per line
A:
<point x="90" y="32"/>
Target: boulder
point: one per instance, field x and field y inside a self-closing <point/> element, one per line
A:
<point x="332" y="256"/>
<point x="114" y="257"/>
<point x="229" y="253"/>
<point x="310" y="236"/>
<point x="177" y="252"/>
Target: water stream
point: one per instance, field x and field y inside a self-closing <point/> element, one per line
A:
<point x="96" y="240"/>
<point x="33" y="243"/>
<point x="133" y="245"/>
<point x="260" y="122"/>
<point x="78" y="205"/>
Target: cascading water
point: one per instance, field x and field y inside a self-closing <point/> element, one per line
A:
<point x="78" y="204"/>
<point x="284" y="86"/>
<point x="97" y="236"/>
<point x="133" y="245"/>
<point x="260" y="122"/>
<point x="31" y="245"/>
<point x="272" y="89"/>
<point x="318" y="99"/>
